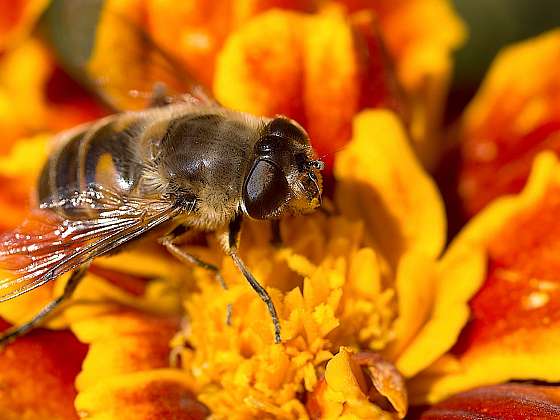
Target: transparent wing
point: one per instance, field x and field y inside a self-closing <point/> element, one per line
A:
<point x="47" y="245"/>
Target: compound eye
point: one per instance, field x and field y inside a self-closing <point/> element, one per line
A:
<point x="265" y="191"/>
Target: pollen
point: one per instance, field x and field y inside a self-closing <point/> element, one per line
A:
<point x="326" y="288"/>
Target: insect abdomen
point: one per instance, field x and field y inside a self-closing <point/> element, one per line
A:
<point x="100" y="154"/>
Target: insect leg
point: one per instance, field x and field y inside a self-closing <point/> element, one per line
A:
<point x="233" y="239"/>
<point x="276" y="235"/>
<point x="17" y="331"/>
<point x="159" y="96"/>
<point x="169" y="242"/>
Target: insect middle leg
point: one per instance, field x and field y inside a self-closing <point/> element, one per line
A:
<point x="171" y="244"/>
<point x="233" y="240"/>
<point x="17" y="331"/>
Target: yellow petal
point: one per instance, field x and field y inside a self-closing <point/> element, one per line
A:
<point x="341" y="379"/>
<point x="122" y="62"/>
<point x="415" y="287"/>
<point x="148" y="260"/>
<point x="381" y="182"/>
<point x="96" y="296"/>
<point x="24" y="72"/>
<point x="347" y="394"/>
<point x="26" y="159"/>
<point x="459" y="276"/>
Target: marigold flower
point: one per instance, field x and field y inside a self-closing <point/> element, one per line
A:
<point x="337" y="282"/>
<point x="375" y="310"/>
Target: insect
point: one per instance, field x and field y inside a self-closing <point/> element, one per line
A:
<point x="179" y="166"/>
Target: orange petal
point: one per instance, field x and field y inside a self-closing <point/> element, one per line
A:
<point x="118" y="46"/>
<point x="260" y="68"/>
<point x="420" y="36"/>
<point x="415" y="29"/>
<point x="331" y="81"/>
<point x="37" y="375"/>
<point x="24" y="72"/>
<point x="18" y="172"/>
<point x="511" y="119"/>
<point x="156" y="394"/>
<point x="123" y="341"/>
<point x="126" y="370"/>
<point x="379" y="84"/>
<point x="192" y="30"/>
<point x="195" y="30"/>
<point x="511" y="401"/>
<point x="514" y="328"/>
<point x="17" y="18"/>
<point x="318" y="69"/>
<point x="37" y="97"/>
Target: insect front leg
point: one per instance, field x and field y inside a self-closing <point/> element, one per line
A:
<point x="172" y="241"/>
<point x="17" y="331"/>
<point x="276" y="239"/>
<point x="232" y="243"/>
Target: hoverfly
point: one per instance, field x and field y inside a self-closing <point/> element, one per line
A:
<point x="183" y="164"/>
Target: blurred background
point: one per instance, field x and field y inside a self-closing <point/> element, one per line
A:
<point x="493" y="24"/>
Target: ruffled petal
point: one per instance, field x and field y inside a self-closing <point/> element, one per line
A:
<point x="17" y="18"/>
<point x="511" y="119"/>
<point x="460" y="274"/>
<point x="195" y="30"/>
<point x="123" y="341"/>
<point x="421" y="36"/>
<point x="514" y="327"/>
<point x="511" y="401"/>
<point x="356" y="385"/>
<point x="37" y="376"/>
<point x="156" y="394"/>
<point x="126" y="372"/>
<point x="381" y="182"/>
<point x="318" y="69"/>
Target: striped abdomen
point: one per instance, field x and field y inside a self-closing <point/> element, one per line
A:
<point x="101" y="153"/>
